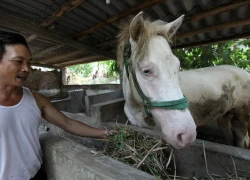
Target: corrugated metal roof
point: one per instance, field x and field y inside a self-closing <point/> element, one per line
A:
<point x="80" y="31"/>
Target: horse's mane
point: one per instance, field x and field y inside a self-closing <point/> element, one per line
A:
<point x="148" y="29"/>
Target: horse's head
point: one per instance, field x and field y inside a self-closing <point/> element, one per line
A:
<point x="155" y="68"/>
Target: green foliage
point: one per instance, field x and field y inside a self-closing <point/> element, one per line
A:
<point x="84" y="70"/>
<point x="112" y="67"/>
<point x="235" y="53"/>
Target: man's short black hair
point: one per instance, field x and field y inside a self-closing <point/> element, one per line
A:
<point x="10" y="38"/>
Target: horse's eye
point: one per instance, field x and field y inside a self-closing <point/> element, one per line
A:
<point x="147" y="71"/>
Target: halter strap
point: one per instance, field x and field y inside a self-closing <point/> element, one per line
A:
<point x="175" y="104"/>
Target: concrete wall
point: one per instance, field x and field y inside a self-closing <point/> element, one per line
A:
<point x="110" y="111"/>
<point x="39" y="80"/>
<point x="93" y="87"/>
<point x="49" y="83"/>
<point x="77" y="101"/>
<point x="73" y="104"/>
<point x="63" y="104"/>
<point x="90" y="100"/>
<point x="107" y="106"/>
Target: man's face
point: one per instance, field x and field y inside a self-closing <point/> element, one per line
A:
<point x="15" y="65"/>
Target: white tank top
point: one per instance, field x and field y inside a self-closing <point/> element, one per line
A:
<point x="20" y="150"/>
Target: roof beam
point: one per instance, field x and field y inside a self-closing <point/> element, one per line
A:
<point x="107" y="42"/>
<point x="58" y="57"/>
<point x="44" y="51"/>
<point x="213" y="28"/>
<point x="45" y="65"/>
<point x="84" y="59"/>
<point x="140" y="7"/>
<point x="68" y="6"/>
<point x="210" y="12"/>
<point x="218" y="40"/>
<point x="31" y="38"/>
<point x="221" y="9"/>
<point x="11" y="22"/>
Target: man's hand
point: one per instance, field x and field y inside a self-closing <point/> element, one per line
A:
<point x="108" y="133"/>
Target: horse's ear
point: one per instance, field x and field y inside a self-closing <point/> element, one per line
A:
<point x="136" y="26"/>
<point x="173" y="26"/>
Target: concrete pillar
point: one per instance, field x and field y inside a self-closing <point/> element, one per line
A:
<point x="64" y="74"/>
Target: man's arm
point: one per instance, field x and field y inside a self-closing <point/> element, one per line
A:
<point x="52" y="115"/>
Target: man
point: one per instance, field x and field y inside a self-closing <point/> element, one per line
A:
<point x="21" y="112"/>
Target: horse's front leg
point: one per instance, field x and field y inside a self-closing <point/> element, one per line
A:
<point x="225" y="126"/>
<point x="234" y="126"/>
<point x="240" y="123"/>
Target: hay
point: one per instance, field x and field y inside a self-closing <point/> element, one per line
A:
<point x="145" y="152"/>
<point x="152" y="155"/>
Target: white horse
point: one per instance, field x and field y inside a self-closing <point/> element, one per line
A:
<point x="153" y="87"/>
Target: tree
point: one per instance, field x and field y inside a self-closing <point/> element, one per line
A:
<point x="84" y="70"/>
<point x="112" y="68"/>
<point x="235" y="53"/>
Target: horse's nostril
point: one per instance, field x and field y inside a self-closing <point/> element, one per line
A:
<point x="183" y="140"/>
<point x="179" y="137"/>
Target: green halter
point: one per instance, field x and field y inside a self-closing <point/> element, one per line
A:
<point x="175" y="104"/>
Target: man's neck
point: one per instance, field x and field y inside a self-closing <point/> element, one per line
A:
<point x="10" y="96"/>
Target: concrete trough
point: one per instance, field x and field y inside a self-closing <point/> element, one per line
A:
<point x="67" y="160"/>
<point x="73" y="157"/>
<point x="204" y="158"/>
